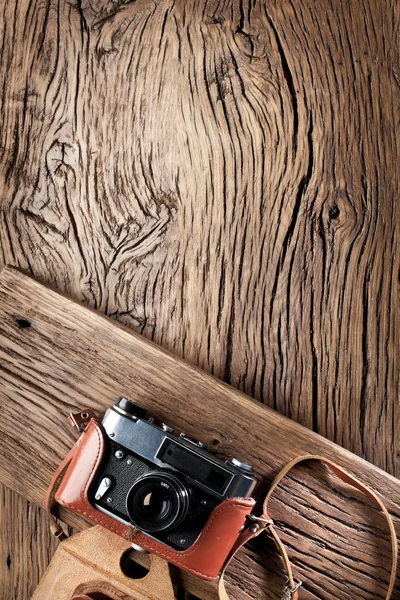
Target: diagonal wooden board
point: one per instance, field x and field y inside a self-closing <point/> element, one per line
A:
<point x="57" y="355"/>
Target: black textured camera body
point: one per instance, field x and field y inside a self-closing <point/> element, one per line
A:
<point x="124" y="472"/>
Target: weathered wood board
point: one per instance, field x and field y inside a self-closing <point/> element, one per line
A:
<point x="56" y="355"/>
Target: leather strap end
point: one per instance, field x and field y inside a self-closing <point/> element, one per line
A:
<point x="57" y="531"/>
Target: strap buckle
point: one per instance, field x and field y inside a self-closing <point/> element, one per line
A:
<point x="259" y="522"/>
<point x="60" y="535"/>
<point x="289" y="592"/>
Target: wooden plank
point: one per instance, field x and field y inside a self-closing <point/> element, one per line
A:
<point x="57" y="355"/>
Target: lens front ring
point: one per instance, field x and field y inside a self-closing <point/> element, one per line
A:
<point x="157" y="501"/>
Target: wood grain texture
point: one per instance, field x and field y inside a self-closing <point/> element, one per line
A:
<point x="57" y="356"/>
<point x="26" y="546"/>
<point x="223" y="178"/>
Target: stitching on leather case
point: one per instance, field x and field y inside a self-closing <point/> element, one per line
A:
<point x="83" y="493"/>
<point x="100" y="586"/>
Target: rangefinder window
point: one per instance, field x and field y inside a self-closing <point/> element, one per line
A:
<point x="217" y="481"/>
<point x="194" y="466"/>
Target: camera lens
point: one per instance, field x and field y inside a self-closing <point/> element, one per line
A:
<point x="157" y="501"/>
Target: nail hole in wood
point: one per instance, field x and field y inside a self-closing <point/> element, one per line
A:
<point x="215" y="442"/>
<point x="23" y="323"/>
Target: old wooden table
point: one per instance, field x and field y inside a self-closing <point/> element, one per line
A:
<point x="222" y="178"/>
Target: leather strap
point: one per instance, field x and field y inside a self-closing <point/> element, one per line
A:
<point x="264" y="523"/>
<point x="259" y="524"/>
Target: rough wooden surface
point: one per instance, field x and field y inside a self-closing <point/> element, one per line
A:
<point x="26" y="545"/>
<point x="57" y="356"/>
<point x="223" y="178"/>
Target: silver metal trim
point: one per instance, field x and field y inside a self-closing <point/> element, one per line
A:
<point x="239" y="464"/>
<point x="104" y="486"/>
<point x="195" y="443"/>
<point x="167" y="428"/>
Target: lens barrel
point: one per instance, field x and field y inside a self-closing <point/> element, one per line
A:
<point x="157" y="501"/>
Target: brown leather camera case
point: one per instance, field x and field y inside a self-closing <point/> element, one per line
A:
<point x="204" y="558"/>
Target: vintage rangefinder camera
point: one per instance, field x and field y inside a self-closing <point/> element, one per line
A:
<point x="162" y="482"/>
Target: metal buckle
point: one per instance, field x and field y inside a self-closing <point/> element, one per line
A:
<point x="259" y="522"/>
<point x="80" y="419"/>
<point x="260" y="519"/>
<point x="59" y="535"/>
<point x="289" y="592"/>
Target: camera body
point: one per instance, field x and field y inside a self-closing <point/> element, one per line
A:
<point x="163" y="483"/>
